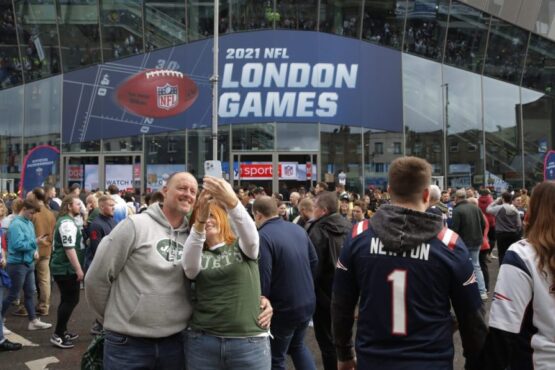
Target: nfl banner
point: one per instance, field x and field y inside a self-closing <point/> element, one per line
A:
<point x="549" y="166"/>
<point x="38" y="164"/>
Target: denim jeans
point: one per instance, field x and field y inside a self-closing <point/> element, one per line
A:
<point x="289" y="338"/>
<point x="133" y="353"/>
<point x="23" y="277"/>
<point x="208" y="352"/>
<point x="475" y="258"/>
<point x="1" y="316"/>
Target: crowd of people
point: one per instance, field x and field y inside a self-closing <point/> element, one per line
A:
<point x="216" y="277"/>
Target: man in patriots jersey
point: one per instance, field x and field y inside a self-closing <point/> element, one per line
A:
<point x="407" y="269"/>
<point x="522" y="316"/>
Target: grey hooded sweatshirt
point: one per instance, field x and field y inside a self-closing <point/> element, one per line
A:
<point x="402" y="229"/>
<point x="135" y="284"/>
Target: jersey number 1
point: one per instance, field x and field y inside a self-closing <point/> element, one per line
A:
<point x="398" y="280"/>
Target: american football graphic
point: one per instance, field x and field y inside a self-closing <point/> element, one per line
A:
<point x="157" y="93"/>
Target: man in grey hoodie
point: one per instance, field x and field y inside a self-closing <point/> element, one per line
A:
<point x="136" y="286"/>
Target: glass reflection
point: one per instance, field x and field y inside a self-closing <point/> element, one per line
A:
<point x="250" y="15"/>
<point x="539" y="73"/>
<point x="10" y="64"/>
<point x="164" y="24"/>
<point x="297" y="15"/>
<point x="538" y="132"/>
<point x="258" y="136"/>
<point x="383" y="22"/>
<point x="199" y="147"/>
<point x="502" y="133"/>
<point x="165" y="148"/>
<point x="11" y="129"/>
<point x="464" y="128"/>
<point x="122" y="28"/>
<point x="424" y="106"/>
<point x="79" y="35"/>
<point x="425" y="30"/>
<point x="297" y="136"/>
<point x="88" y="146"/>
<point x="341" y="150"/>
<point x="123" y="144"/>
<point x="506" y="50"/>
<point x="340" y="18"/>
<point x="380" y="149"/>
<point x="38" y="39"/>
<point x="200" y="19"/>
<point x="466" y="37"/>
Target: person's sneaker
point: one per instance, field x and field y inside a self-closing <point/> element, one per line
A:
<point x="21" y="311"/>
<point x="71" y="336"/>
<point x="36" y="324"/>
<point x="64" y="342"/>
<point x="6" y="345"/>
<point x="6" y="331"/>
<point x="484" y="296"/>
<point x="41" y="312"/>
<point x="96" y="328"/>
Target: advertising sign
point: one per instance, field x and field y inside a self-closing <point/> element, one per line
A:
<point x="38" y="164"/>
<point x="121" y="175"/>
<point x="549" y="166"/>
<point x="91" y="177"/>
<point x="265" y="76"/>
<point x="157" y="174"/>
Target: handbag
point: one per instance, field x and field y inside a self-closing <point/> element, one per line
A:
<point x="92" y="358"/>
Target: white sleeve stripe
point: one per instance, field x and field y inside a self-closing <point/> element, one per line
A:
<point x="447" y="236"/>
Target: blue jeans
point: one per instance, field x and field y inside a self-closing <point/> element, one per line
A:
<point x="1" y="316"/>
<point x="289" y="338"/>
<point x="208" y="352"/>
<point x="475" y="258"/>
<point x="23" y="277"/>
<point x="134" y="353"/>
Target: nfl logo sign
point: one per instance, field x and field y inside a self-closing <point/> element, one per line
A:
<point x="288" y="170"/>
<point x="168" y="96"/>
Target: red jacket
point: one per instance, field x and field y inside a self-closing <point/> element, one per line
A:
<point x="483" y="202"/>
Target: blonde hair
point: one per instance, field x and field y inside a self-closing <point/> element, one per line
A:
<point x="220" y="215"/>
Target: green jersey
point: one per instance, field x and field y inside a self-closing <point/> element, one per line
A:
<point x="227" y="293"/>
<point x="66" y="235"/>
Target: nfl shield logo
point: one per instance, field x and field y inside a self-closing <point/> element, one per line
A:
<point x="168" y="96"/>
<point x="288" y="171"/>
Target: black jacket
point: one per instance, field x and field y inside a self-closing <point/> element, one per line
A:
<point x="327" y="234"/>
<point x="99" y="228"/>
<point x="469" y="223"/>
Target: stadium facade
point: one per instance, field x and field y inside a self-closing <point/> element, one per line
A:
<point x="469" y="86"/>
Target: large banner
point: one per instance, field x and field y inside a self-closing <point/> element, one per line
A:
<point x="264" y="76"/>
<point x="38" y="165"/>
<point x="549" y="166"/>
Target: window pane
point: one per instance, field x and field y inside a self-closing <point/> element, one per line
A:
<point x="383" y="22"/>
<point x="122" y="28"/>
<point x="165" y="148"/>
<point x="425" y="32"/>
<point x="424" y="106"/>
<point x="466" y="37"/>
<point x="297" y="136"/>
<point x="297" y="15"/>
<point x="506" y="50"/>
<point x="464" y="127"/>
<point x="340" y="17"/>
<point x="503" y="152"/>
<point x="258" y="136"/>
<point x="250" y="15"/>
<point x="39" y="39"/>
<point x="199" y="146"/>
<point x="540" y="65"/>
<point x="124" y="144"/>
<point x="200" y="19"/>
<point x="79" y="35"/>
<point x="380" y="149"/>
<point x="539" y="129"/>
<point x="11" y="129"/>
<point x="164" y="23"/>
<point x="10" y="64"/>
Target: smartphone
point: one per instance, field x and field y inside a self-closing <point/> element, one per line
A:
<point x="213" y="168"/>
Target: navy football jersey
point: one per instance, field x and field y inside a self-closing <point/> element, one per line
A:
<point x="404" y="317"/>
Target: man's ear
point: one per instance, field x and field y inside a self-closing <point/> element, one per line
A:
<point x="426" y="196"/>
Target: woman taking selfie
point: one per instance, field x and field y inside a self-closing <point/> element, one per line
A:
<point x="522" y="319"/>
<point x="225" y="330"/>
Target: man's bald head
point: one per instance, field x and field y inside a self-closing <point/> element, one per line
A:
<point x="266" y="206"/>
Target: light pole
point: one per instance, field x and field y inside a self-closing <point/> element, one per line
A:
<point x="214" y="80"/>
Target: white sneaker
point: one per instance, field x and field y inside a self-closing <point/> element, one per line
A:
<point x="484" y="296"/>
<point x="36" y="324"/>
<point x="6" y="331"/>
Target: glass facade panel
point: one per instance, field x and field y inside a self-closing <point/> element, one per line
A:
<point x="340" y="17"/>
<point x="424" y="109"/>
<point x="38" y="37"/>
<point x="341" y="150"/>
<point x="123" y="144"/>
<point x="297" y="15"/>
<point x="199" y="147"/>
<point x="164" y="23"/>
<point x="258" y="136"/>
<point x="426" y="28"/>
<point x="297" y="136"/>
<point x="502" y="134"/>
<point x="165" y="148"/>
<point x="538" y="114"/>
<point x="11" y="130"/>
<point x="539" y="73"/>
<point x="250" y="15"/>
<point x="88" y="146"/>
<point x="380" y="149"/>
<point x="506" y="51"/>
<point x="463" y="99"/>
<point x="122" y="28"/>
<point x="466" y="37"/>
<point x="383" y="22"/>
<point x="200" y="19"/>
<point x="10" y="63"/>
<point x="79" y="35"/>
